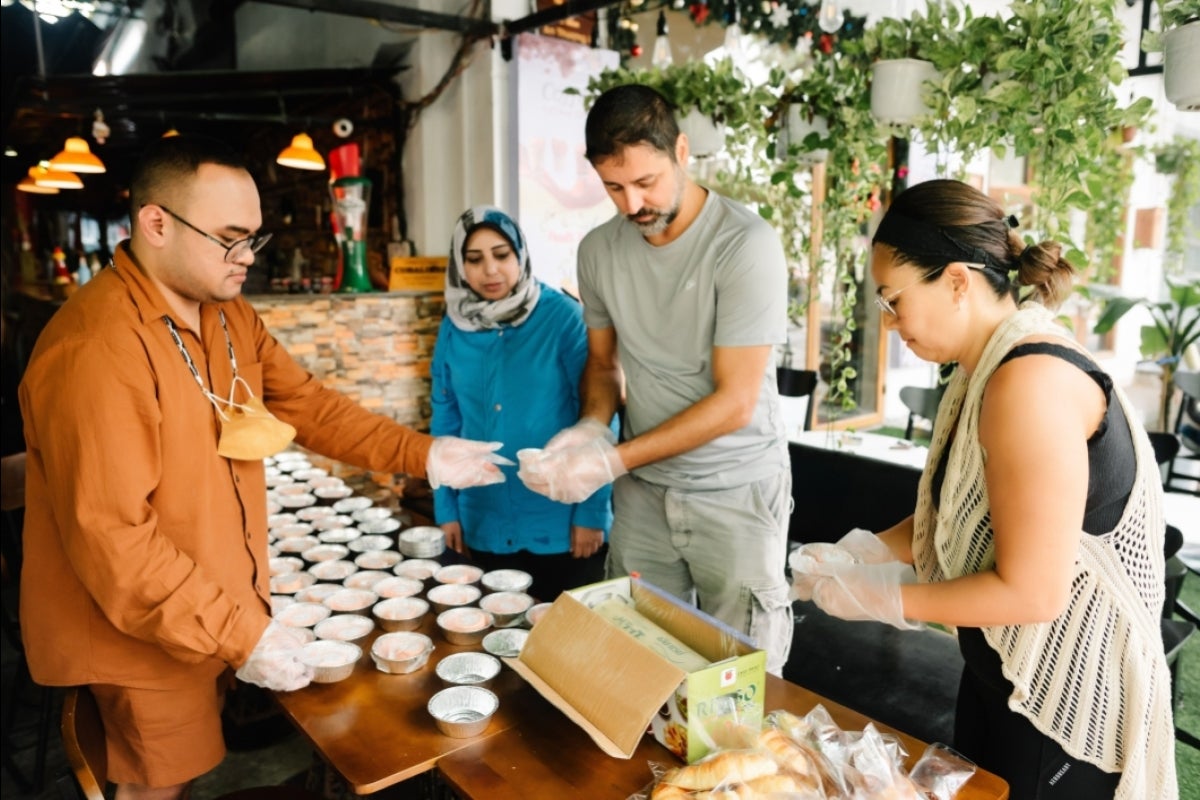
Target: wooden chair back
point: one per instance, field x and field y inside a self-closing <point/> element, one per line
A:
<point x="83" y="741"/>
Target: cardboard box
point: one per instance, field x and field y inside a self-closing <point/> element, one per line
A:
<point x="615" y="687"/>
<point x="416" y="273"/>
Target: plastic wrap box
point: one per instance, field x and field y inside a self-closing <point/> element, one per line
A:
<point x="617" y="688"/>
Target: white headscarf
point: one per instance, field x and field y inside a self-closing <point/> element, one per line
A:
<point x="466" y="309"/>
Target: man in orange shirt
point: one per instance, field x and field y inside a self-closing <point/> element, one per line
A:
<point x="145" y="573"/>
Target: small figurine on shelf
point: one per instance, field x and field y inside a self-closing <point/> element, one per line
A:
<point x="84" y="273"/>
<point x="60" y="278"/>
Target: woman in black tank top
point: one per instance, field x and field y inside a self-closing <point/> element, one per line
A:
<point x="1058" y="463"/>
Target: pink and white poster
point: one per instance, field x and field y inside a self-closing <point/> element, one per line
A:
<point x="559" y="198"/>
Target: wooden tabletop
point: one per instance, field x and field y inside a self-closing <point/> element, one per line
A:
<point x="373" y="727"/>
<point x="547" y="757"/>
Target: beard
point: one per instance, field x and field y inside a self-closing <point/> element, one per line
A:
<point x="662" y="217"/>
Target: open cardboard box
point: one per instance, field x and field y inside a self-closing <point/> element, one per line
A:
<point x="615" y="687"/>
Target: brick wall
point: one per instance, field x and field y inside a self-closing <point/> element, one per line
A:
<point x="376" y="348"/>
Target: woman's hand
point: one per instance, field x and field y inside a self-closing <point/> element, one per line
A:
<point x="585" y="541"/>
<point x="454" y="537"/>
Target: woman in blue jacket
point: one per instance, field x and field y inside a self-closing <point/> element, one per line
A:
<point x="506" y="368"/>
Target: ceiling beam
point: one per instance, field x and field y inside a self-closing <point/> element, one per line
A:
<point x="370" y="9"/>
<point x="571" y="8"/>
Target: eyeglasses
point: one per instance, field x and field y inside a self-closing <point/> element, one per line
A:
<point x="885" y="303"/>
<point x="234" y="251"/>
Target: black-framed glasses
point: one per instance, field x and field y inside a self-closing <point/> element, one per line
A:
<point x="885" y="303"/>
<point x="234" y="251"/>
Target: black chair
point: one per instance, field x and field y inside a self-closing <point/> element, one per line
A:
<point x="922" y="403"/>
<point x="799" y="383"/>
<point x="1187" y="429"/>
<point x="23" y="693"/>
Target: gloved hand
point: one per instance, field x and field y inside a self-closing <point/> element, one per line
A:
<point x="573" y="474"/>
<point x="274" y="662"/>
<point x="582" y="432"/>
<point x="463" y="463"/>
<point x="866" y="547"/>
<point x="866" y="592"/>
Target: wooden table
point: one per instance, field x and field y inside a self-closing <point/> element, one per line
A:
<point x="374" y="729"/>
<point x="548" y="757"/>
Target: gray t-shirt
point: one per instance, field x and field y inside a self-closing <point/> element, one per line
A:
<point x="722" y="283"/>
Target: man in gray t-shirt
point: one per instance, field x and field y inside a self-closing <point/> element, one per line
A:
<point x="684" y="295"/>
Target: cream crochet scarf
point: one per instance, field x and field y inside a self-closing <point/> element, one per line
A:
<point x="1094" y="680"/>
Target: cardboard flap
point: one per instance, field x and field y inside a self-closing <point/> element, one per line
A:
<point x="622" y="688"/>
<point x="707" y="635"/>
<point x="607" y="745"/>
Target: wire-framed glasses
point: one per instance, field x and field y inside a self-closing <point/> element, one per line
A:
<point x="885" y="303"/>
<point x="234" y="251"/>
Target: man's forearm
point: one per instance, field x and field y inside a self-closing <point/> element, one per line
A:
<point x="600" y="392"/>
<point x="697" y="425"/>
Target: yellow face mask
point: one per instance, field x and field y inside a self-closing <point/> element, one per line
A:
<point x="249" y="432"/>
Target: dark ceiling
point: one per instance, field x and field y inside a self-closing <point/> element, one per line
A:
<point x="191" y="83"/>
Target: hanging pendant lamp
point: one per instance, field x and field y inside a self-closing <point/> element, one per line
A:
<point x="301" y="154"/>
<point x="77" y="157"/>
<point x="29" y="184"/>
<point x="43" y="175"/>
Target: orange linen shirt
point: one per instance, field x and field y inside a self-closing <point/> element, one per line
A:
<point x="145" y="552"/>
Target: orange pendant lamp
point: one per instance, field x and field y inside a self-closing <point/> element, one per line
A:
<point x="29" y="184"/>
<point x="43" y="175"/>
<point x="301" y="154"/>
<point x="77" y="157"/>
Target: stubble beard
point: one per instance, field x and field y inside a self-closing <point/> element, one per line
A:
<point x="663" y="217"/>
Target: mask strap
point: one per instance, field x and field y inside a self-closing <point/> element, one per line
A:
<point x="191" y="365"/>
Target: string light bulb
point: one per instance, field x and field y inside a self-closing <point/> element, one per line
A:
<point x="662" y="45"/>
<point x="829" y="18"/>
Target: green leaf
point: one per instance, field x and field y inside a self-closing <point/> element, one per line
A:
<point x="1114" y="309"/>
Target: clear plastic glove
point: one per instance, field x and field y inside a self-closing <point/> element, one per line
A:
<point x="274" y="662"/>
<point x="573" y="474"/>
<point x="463" y="463"/>
<point x="581" y="433"/>
<point x="866" y="547"/>
<point x="866" y="592"/>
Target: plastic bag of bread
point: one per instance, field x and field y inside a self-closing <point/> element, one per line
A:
<point x="874" y="768"/>
<point x="752" y="774"/>
<point x="941" y="771"/>
<point x="823" y="742"/>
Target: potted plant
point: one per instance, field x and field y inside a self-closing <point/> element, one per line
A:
<point x="835" y="250"/>
<point x="1039" y="83"/>
<point x="900" y="76"/>
<point x="1174" y="327"/>
<point x="708" y="98"/>
<point x="802" y="117"/>
<point x="1179" y="43"/>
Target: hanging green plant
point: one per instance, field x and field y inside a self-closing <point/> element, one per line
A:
<point x="836" y="88"/>
<point x="1180" y="158"/>
<point x="718" y="90"/>
<point x="1109" y="178"/>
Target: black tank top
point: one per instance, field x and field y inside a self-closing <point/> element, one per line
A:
<point x="1111" y="472"/>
